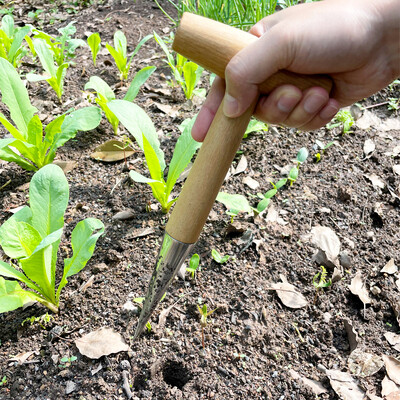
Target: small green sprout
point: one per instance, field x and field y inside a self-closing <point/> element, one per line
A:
<point x="220" y="259"/>
<point x="148" y="326"/>
<point x="3" y="381"/>
<point x="300" y="159"/>
<point x="394" y="104"/>
<point x="67" y="361"/>
<point x="320" y="281"/>
<point x="43" y="320"/>
<point x="204" y="314"/>
<point x="193" y="265"/>
<point x="343" y="118"/>
<point x="323" y="147"/>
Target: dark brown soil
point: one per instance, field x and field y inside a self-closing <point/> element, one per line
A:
<point x="253" y="341"/>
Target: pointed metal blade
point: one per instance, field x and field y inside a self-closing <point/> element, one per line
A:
<point x="172" y="255"/>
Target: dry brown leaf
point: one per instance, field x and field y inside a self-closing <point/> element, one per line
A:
<point x="392" y="368"/>
<point x="66" y="166"/>
<point x="364" y="364"/>
<point x="123" y="215"/>
<point x="328" y="244"/>
<point x="369" y="147"/>
<point x="167" y="109"/>
<point x="250" y="182"/>
<point x="375" y="180"/>
<point x="345" y="386"/>
<point x="316" y="387"/>
<point x="288" y="294"/>
<point x="396" y="169"/>
<point x="101" y="342"/>
<point x="393" y="339"/>
<point x="112" y="150"/>
<point x="22" y="358"/>
<point x="390" y="268"/>
<point x="357" y="287"/>
<point x="140" y="232"/>
<point x="389" y="388"/>
<point x="241" y="166"/>
<point x="351" y="334"/>
<point x="86" y="284"/>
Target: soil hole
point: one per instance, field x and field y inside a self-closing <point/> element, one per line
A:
<point x="175" y="374"/>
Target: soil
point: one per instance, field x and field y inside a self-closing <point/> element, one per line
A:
<point x="253" y="342"/>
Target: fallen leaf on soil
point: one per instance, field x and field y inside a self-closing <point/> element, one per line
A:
<point x="66" y="166"/>
<point x="375" y="180"/>
<point x="140" y="232"/>
<point x="390" y="389"/>
<point x="328" y="244"/>
<point x="241" y="166"/>
<point x="369" y="148"/>
<point x="390" y="268"/>
<point x="101" y="342"/>
<point x="250" y="182"/>
<point x="163" y="316"/>
<point x="392" y="368"/>
<point x="396" y="169"/>
<point x="111" y="151"/>
<point x="86" y="284"/>
<point x="364" y="364"/>
<point x="357" y="287"/>
<point x="167" y="109"/>
<point x="21" y="358"/>
<point x="351" y="334"/>
<point x="367" y="120"/>
<point x="122" y="215"/>
<point x="308" y="194"/>
<point x="273" y="215"/>
<point x="345" y="386"/>
<point x="316" y="387"/>
<point x="288" y="294"/>
<point x="393" y="339"/>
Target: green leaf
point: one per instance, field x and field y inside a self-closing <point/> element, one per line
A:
<point x="219" y="258"/>
<point x="48" y="192"/>
<point x="293" y="174"/>
<point x="9" y="155"/>
<point x="139" y="45"/>
<point x="7" y="25"/>
<point x="120" y="43"/>
<point x="234" y="202"/>
<point x="139" y="79"/>
<point x="271" y="193"/>
<point x="184" y="150"/>
<point x="101" y="87"/>
<point x="302" y="155"/>
<point x="35" y="131"/>
<point x="94" y="43"/>
<point x="194" y="262"/>
<point x="15" y="96"/>
<point x="12" y="296"/>
<point x="45" y="56"/>
<point x="15" y="48"/>
<point x="189" y="75"/>
<point x="280" y="183"/>
<point x="83" y="241"/>
<point x="138" y="123"/>
<point x="263" y="204"/>
<point x="11" y="128"/>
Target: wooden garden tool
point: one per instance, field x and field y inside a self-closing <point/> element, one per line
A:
<point x="210" y="44"/>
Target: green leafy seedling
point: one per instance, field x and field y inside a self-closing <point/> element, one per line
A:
<point x="94" y="42"/>
<point x="119" y="53"/>
<point x="11" y="38"/>
<point x="394" y="104"/>
<point x="3" y="381"/>
<point x="234" y="203"/>
<point x="143" y="130"/>
<point x="32" y="237"/>
<point x="255" y="126"/>
<point x="343" y="118"/>
<point x="301" y="157"/>
<point x="320" y="281"/>
<point x="204" y="314"/>
<point x="217" y="257"/>
<point x="186" y="73"/>
<point x="67" y="361"/>
<point x="43" y="320"/>
<point x="27" y="147"/>
<point x="323" y="148"/>
<point x="194" y="263"/>
<point x="105" y="94"/>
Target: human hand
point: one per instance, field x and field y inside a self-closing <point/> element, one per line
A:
<point x="354" y="42"/>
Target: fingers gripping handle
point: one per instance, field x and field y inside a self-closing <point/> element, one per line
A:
<point x="212" y="44"/>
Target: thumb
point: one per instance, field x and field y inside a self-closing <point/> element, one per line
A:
<point x="251" y="66"/>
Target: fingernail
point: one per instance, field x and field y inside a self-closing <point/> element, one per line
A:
<point x="231" y="106"/>
<point x="328" y="112"/>
<point x="287" y="103"/>
<point x="313" y="103"/>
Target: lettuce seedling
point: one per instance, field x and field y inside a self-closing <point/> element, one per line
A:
<point x="234" y="203"/>
<point x="119" y="53"/>
<point x="27" y="147"/>
<point x="186" y="73"/>
<point x="105" y="94"/>
<point x="11" y="39"/>
<point x="320" y="281"/>
<point x="62" y="47"/>
<point x="194" y="263"/>
<point x="343" y="118"/>
<point x="301" y="157"/>
<point x="94" y="43"/>
<point x="145" y="134"/>
<point x="323" y="147"/>
<point x="217" y="257"/>
<point x="32" y="237"/>
<point x="204" y="314"/>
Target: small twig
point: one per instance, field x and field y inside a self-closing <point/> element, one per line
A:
<point x="7" y="183"/>
<point x="126" y="385"/>
<point x="112" y="12"/>
<point x="376" y="105"/>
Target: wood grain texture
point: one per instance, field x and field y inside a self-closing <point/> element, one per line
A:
<point x="212" y="44"/>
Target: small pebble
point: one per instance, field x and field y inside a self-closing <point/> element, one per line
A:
<point x="375" y="290"/>
<point x="125" y="365"/>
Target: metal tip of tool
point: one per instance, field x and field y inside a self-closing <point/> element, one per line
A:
<point x="171" y="256"/>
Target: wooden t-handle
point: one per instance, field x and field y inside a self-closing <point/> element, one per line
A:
<point x="211" y="45"/>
